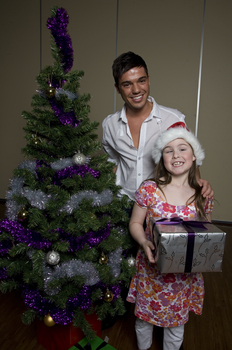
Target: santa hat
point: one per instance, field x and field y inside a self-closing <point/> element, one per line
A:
<point x="174" y="133"/>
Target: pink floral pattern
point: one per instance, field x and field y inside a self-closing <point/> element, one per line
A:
<point x="164" y="299"/>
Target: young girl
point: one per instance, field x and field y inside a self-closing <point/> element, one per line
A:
<point x="165" y="299"/>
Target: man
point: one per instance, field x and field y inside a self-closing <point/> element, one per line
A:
<point x="129" y="134"/>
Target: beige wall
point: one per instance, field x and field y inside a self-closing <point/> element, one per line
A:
<point x="167" y="34"/>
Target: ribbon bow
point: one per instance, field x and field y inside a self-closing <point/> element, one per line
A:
<point x="186" y="223"/>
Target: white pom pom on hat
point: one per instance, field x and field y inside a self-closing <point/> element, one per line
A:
<point x="174" y="133"/>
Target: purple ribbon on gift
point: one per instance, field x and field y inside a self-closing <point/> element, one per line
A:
<point x="191" y="235"/>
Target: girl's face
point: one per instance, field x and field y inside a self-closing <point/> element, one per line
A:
<point x="178" y="157"/>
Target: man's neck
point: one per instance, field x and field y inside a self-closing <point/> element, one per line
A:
<point x="139" y="113"/>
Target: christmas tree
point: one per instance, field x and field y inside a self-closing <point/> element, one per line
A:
<point x="64" y="240"/>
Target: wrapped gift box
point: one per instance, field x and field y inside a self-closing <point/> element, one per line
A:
<point x="59" y="337"/>
<point x="95" y="344"/>
<point x="187" y="246"/>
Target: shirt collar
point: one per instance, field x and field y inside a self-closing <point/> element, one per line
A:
<point x="155" y="112"/>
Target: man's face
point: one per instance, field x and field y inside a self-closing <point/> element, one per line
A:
<point x="134" y="87"/>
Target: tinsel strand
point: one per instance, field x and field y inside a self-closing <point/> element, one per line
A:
<point x="24" y="235"/>
<point x="43" y="306"/>
<point x="66" y="118"/>
<point x="58" y="25"/>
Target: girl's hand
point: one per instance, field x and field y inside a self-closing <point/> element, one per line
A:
<point x="148" y="247"/>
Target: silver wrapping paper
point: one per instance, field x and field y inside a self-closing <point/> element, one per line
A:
<point x="171" y="243"/>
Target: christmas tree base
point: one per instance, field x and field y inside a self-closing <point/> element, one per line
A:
<point x="61" y="337"/>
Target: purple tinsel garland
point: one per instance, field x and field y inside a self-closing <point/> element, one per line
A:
<point x="5" y="246"/>
<point x="33" y="300"/>
<point x="58" y="25"/>
<point x="34" y="239"/>
<point x="24" y="235"/>
<point x="91" y="238"/>
<point x="70" y="171"/>
<point x="66" y="118"/>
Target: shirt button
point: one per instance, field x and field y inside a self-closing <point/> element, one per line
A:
<point x="139" y="158"/>
<point x="139" y="174"/>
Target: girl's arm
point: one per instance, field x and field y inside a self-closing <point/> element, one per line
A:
<point x="209" y="204"/>
<point x="137" y="231"/>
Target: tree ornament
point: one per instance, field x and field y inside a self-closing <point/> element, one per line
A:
<point x="103" y="259"/>
<point x="53" y="258"/>
<point x="108" y="297"/>
<point x="131" y="261"/>
<point x="50" y="91"/>
<point x="79" y="158"/>
<point x="22" y="214"/>
<point x="36" y="140"/>
<point x="49" y="321"/>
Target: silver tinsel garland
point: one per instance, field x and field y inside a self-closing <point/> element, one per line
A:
<point x="38" y="199"/>
<point x="65" y="163"/>
<point x="12" y="208"/>
<point x="16" y="185"/>
<point x="29" y="165"/>
<point x="76" y="267"/>
<point x="61" y="164"/>
<point x="99" y="199"/>
<point x="70" y="269"/>
<point x="114" y="261"/>
<point x="59" y="92"/>
<point x="71" y="95"/>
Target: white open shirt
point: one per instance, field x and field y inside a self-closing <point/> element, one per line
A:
<point x="135" y="165"/>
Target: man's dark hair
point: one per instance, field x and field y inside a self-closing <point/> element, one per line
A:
<point x="125" y="62"/>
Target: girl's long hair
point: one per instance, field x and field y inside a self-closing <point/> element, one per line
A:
<point x="161" y="172"/>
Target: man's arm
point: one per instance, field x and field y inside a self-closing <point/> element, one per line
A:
<point x="107" y="148"/>
<point x="207" y="190"/>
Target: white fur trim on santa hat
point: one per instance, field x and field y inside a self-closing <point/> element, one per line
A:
<point x="177" y="133"/>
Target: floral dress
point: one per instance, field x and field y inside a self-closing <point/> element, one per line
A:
<point x="164" y="299"/>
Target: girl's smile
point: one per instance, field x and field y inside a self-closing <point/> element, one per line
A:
<point x="178" y="157"/>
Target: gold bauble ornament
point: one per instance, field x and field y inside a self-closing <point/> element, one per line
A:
<point x="109" y="296"/>
<point x="22" y="214"/>
<point x="103" y="259"/>
<point x="48" y="321"/>
<point x="50" y="91"/>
